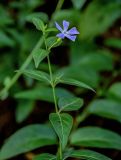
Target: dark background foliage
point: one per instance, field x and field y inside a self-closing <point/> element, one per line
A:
<point x="95" y="58"/>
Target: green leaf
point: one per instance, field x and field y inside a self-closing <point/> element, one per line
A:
<point x="53" y="42"/>
<point x="113" y="42"/>
<point x="70" y="104"/>
<point x="6" y="40"/>
<point x="45" y="156"/>
<point x="57" y="76"/>
<point x="7" y="81"/>
<point x="106" y="108"/>
<point x="23" y="110"/>
<point x="97" y="61"/>
<point x="39" y="55"/>
<point x="27" y="41"/>
<point x="51" y="30"/>
<point x="114" y="91"/>
<point x="79" y="48"/>
<point x="33" y="4"/>
<point x="78" y="4"/>
<point x="96" y="137"/>
<point x="107" y="15"/>
<point x="38" y="75"/>
<point x="79" y="73"/>
<point x="77" y="83"/>
<point x="43" y="93"/>
<point x="6" y="17"/>
<point x="39" y="24"/>
<point x="62" y="124"/>
<point x="69" y="15"/>
<point x="87" y="155"/>
<point x="27" y="139"/>
<point x="40" y="15"/>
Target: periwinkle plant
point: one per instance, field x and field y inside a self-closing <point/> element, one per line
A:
<point x="61" y="122"/>
<point x="35" y="136"/>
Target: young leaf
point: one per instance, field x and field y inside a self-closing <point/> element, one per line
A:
<point x="70" y="104"/>
<point x="39" y="24"/>
<point x="45" y="156"/>
<point x="27" y="139"/>
<point x="39" y="55"/>
<point x="53" y="42"/>
<point x="23" y="110"/>
<point x="38" y="75"/>
<point x="51" y="30"/>
<point x="106" y="108"/>
<point x="87" y="154"/>
<point x="75" y="83"/>
<point x="62" y="124"/>
<point x="96" y="137"/>
<point x="57" y="76"/>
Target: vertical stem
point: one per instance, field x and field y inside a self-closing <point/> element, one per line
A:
<point x="80" y="119"/>
<point x="51" y="75"/>
<point x="53" y="89"/>
<point x="60" y="150"/>
<point x="59" y="5"/>
<point x="52" y="84"/>
<point x="55" y="101"/>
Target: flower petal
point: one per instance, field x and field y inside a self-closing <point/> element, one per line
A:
<point x="65" y="25"/>
<point x="72" y="38"/>
<point x="58" y="27"/>
<point x="60" y="35"/>
<point x="73" y="31"/>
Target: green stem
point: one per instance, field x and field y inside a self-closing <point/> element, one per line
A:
<point x="59" y="5"/>
<point x="51" y="75"/>
<point x="55" y="101"/>
<point x="53" y="89"/>
<point x="60" y="151"/>
<point x="29" y="58"/>
<point x="52" y="84"/>
<point x="81" y="118"/>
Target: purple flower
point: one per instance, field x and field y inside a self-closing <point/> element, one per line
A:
<point x="70" y="34"/>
